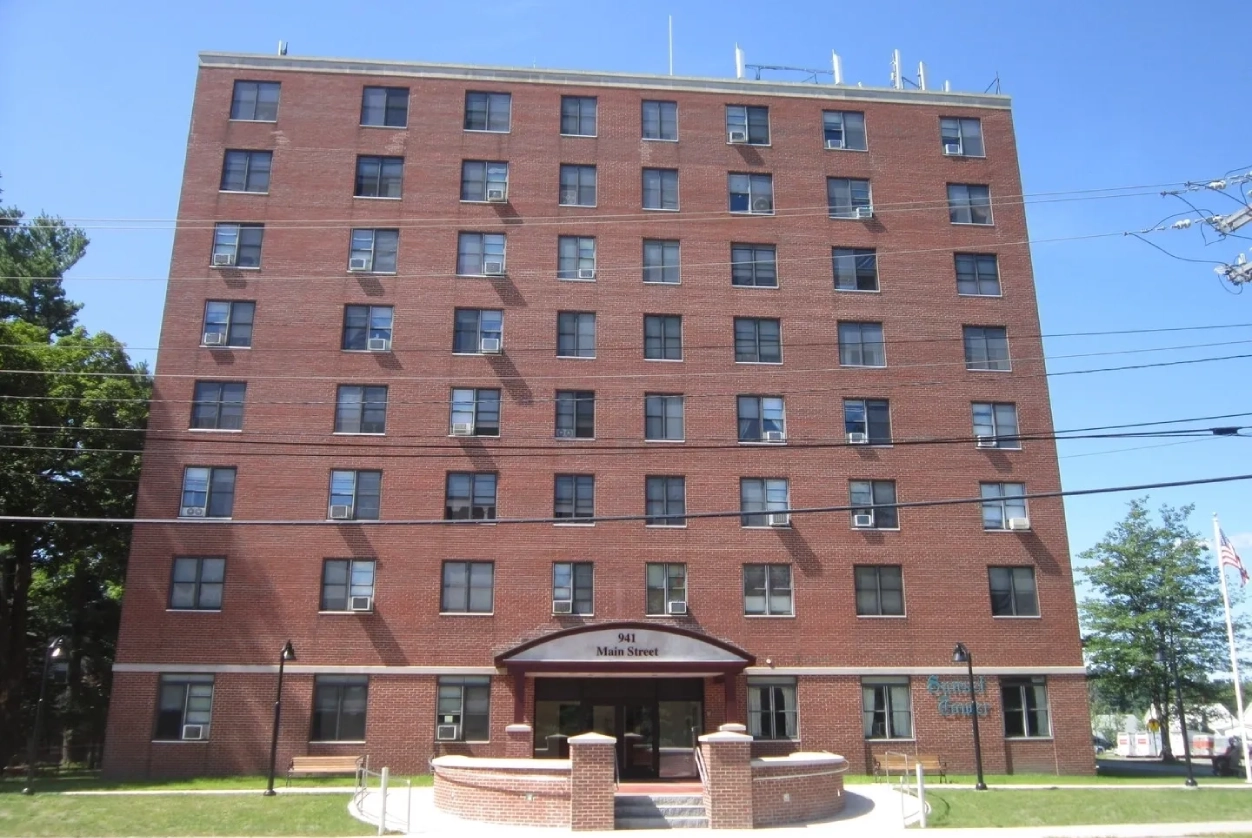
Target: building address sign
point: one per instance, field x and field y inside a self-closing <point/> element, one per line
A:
<point x="954" y="698"/>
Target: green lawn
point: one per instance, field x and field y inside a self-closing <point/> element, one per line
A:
<point x="87" y="781"/>
<point x="1064" y="807"/>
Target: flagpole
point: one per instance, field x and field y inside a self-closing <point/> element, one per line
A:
<point x="1234" y="653"/>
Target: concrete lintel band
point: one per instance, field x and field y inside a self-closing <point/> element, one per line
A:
<point x="312" y="669"/>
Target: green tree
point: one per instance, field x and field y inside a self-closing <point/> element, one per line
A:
<point x="34" y="256"/>
<point x="1156" y="590"/>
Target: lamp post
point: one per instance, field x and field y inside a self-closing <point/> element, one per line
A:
<point x="53" y="651"/>
<point x="288" y="654"/>
<point x="961" y="655"/>
<point x="1171" y="663"/>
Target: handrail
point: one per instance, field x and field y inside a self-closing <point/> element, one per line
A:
<point x="701" y="768"/>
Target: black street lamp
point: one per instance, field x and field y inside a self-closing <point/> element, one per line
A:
<point x="54" y="650"/>
<point x="1171" y="663"/>
<point x="288" y="654"/>
<point x="961" y="655"/>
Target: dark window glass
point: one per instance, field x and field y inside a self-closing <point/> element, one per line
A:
<point x="977" y="274"/>
<point x="861" y="345"/>
<point x="666" y="500"/>
<point x="753" y="265"/>
<point x="879" y="590"/>
<point x="207" y="492"/>
<point x="578" y="115"/>
<point x="578" y="186"/>
<point x="574" y="496"/>
<point x="477" y="330"/>
<point x="663" y="418"/>
<point x="575" y="414"/>
<point x="183" y="700"/>
<point x="576" y="257"/>
<point x="379" y="177"/>
<point x="468" y="588"/>
<point x="339" y="703"/>
<point x="995" y="425"/>
<point x="961" y="137"/>
<point x="361" y="324"/>
<point x="844" y="130"/>
<point x="464" y="705"/>
<point x="856" y="269"/>
<point x="758" y="340"/>
<point x="663" y="337"/>
<point x="761" y="419"/>
<point x="487" y="111"/>
<point x="665" y="584"/>
<point x="480" y="254"/>
<point x="470" y="496"/>
<point x="1013" y="592"/>
<point x="477" y="408"/>
<point x="969" y="203"/>
<point x="196" y="583"/>
<point x="218" y="405"/>
<point x="986" y="348"/>
<point x="660" y="120"/>
<point x="1001" y="504"/>
<point x="1025" y="703"/>
<point x="870" y="419"/>
<point x="848" y="198"/>
<point x="746" y="124"/>
<point x="772" y="708"/>
<point x="576" y="334"/>
<point x="228" y="323"/>
<point x="767" y="590"/>
<point x="373" y="250"/>
<point x="345" y="579"/>
<point x="237" y="245"/>
<point x="887" y="709"/>
<point x="661" y="261"/>
<point x="760" y="496"/>
<point x="660" y="189"/>
<point x="359" y="492"/>
<point x="877" y="499"/>
<point x="246" y="171"/>
<point x="255" y="100"/>
<point x="483" y="180"/>
<point x="361" y="410"/>
<point x="753" y="194"/>
<point x="385" y="106"/>
<point x="572" y="583"/>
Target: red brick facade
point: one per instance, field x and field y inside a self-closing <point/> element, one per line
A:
<point x="285" y="449"/>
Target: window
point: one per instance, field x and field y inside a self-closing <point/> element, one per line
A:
<point x="345" y="580"/>
<point x="747" y="124"/>
<point x="468" y="588"/>
<point x="879" y="590"/>
<point x="477" y="330"/>
<point x="1013" y="592"/>
<point x="1025" y="703"/>
<point x="578" y="116"/>
<point x="753" y="265"/>
<point x="856" y="269"/>
<point x="374" y="250"/>
<point x="208" y="492"/>
<point x="246" y="171"/>
<point x="995" y="425"/>
<point x="961" y="137"/>
<point x="571" y="583"/>
<point x="758" y="497"/>
<point x="772" y="708"/>
<point x="379" y="177"/>
<point x="662" y="337"/>
<point x="1002" y="502"/>
<point x="218" y="405"/>
<point x="575" y="414"/>
<point x="196" y="583"/>
<point x="575" y="257"/>
<point x="576" y="334"/>
<point x="758" y="340"/>
<point x="475" y="409"/>
<point x="861" y="345"/>
<point x="762" y="419"/>
<point x="361" y="410"/>
<point x="753" y="194"/>
<point x="666" y="500"/>
<point x="465" y="703"/>
<point x="876" y="499"/>
<point x="355" y="495"/>
<point x="663" y="418"/>
<point x="578" y="186"/>
<point x="986" y="348"/>
<point x="666" y="584"/>
<point x="660" y="120"/>
<point x="488" y="111"/>
<point x="228" y="323"/>
<point x="574" y="496"/>
<point x="387" y="107"/>
<point x="470" y="497"/>
<point x="237" y="245"/>
<point x="887" y="709"/>
<point x="184" y="701"/>
<point x="660" y="189"/>
<point x="480" y="254"/>
<point x="870" y="418"/>
<point x="849" y="198"/>
<point x="255" y="101"/>
<point x="844" y="130"/>
<point x="661" y="262"/>
<point x="339" y="708"/>
<point x="977" y="274"/>
<point x="362" y="324"/>
<point x="483" y="180"/>
<point x="969" y="204"/>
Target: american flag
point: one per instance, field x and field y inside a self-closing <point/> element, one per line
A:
<point x="1227" y="557"/>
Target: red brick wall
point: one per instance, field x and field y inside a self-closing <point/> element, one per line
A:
<point x="502" y="796"/>
<point x="783" y="794"/>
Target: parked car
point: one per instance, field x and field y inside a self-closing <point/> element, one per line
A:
<point x="1100" y="743"/>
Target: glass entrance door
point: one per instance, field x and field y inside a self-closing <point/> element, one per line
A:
<point x="636" y="741"/>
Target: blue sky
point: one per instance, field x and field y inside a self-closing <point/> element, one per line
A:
<point x="95" y="101"/>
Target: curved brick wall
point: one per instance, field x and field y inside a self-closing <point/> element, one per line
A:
<point x="521" y="792"/>
<point x="797" y="788"/>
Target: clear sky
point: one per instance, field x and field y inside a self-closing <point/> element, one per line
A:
<point x="95" y="100"/>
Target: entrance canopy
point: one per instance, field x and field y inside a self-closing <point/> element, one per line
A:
<point x="625" y="648"/>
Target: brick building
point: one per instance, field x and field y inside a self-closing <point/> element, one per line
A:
<point x="459" y="364"/>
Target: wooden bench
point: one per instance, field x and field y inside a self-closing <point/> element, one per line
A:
<point x="323" y="766"/>
<point x="895" y="763"/>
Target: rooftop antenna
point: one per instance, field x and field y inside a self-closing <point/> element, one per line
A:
<point x="738" y="62"/>
<point x="282" y="47"/>
<point x="671" y="45"/>
<point x="897" y="79"/>
<point x="836" y="64"/>
<point x="947" y="86"/>
<point x="921" y="75"/>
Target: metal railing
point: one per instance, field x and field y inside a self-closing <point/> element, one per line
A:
<point x="362" y="788"/>
<point x="701" y="768"/>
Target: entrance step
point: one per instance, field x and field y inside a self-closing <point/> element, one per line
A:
<point x="660" y="811"/>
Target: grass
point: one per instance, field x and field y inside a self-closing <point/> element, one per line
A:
<point x="88" y="781"/>
<point x="1067" y="807"/>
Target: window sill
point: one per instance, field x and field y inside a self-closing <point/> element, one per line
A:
<point x="204" y="518"/>
<point x="985" y="369"/>
<point x="749" y="212"/>
<point x="337" y="741"/>
<point x="577" y="357"/>
<point x="862" y="366"/>
<point x="664" y="441"/>
<point x="262" y="121"/>
<point x="324" y="613"/>
<point x="579" y="206"/>
<point x="875" y="529"/>
<point x="665" y="526"/>
<point x="770" y="616"/>
<point x="1006" y="529"/>
<point x="479" y="354"/>
<point x="1027" y="738"/>
<point x="370" y="273"/>
<point x="486" y="131"/>
<point x="762" y="442"/>
<point x="761" y="363"/>
<point x="967" y="156"/>
<point x="204" y="741"/>
<point x="584" y="136"/>
<point x="655" y="282"/>
<point x="658" y="139"/>
<point x="666" y="360"/>
<point x="752" y="145"/>
<point x="849" y="218"/>
<point x="355" y="433"/>
<point x="575" y="438"/>
<point x="888" y="739"/>
<point x="502" y="275"/>
<point x="972" y="224"/>
<point x="858" y="150"/>
<point x="1001" y="448"/>
<point x="467" y="613"/>
<point x="350" y="520"/>
<point x="1017" y="616"/>
<point x="221" y="346"/>
<point x="404" y="127"/>
<point x="858" y="290"/>
<point x="193" y="611"/>
<point x="215" y="430"/>
<point x="235" y="267"/>
<point x="241" y="192"/>
<point x="378" y="198"/>
<point x="575" y="614"/>
<point x="473" y="436"/>
<point x="484" y="200"/>
<point x="572" y="524"/>
<point x="993" y="296"/>
<point x="882" y="616"/>
<point x="659" y="209"/>
<point x="766" y="287"/>
<point x="575" y="279"/>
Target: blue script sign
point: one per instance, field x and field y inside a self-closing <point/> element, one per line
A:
<point x="954" y="697"/>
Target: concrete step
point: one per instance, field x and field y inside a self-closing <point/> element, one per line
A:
<point x="662" y="823"/>
<point x="659" y="811"/>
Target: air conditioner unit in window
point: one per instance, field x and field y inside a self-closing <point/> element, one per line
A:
<point x="1019" y="523"/>
<point x="677" y="608"/>
<point x="562" y="606"/>
<point x="863" y="521"/>
<point x="864" y="212"/>
<point x="834" y="144"/>
<point x="857" y="438"/>
<point x="986" y="442"/>
<point x="340" y="512"/>
<point x="213" y="339"/>
<point x="778" y="519"/>
<point x="358" y="263"/>
<point x="194" y="732"/>
<point x="223" y="260"/>
<point x="447" y="733"/>
<point x="493" y="268"/>
<point x="462" y="429"/>
<point x="586" y="273"/>
<point x="773" y="436"/>
<point x="952" y="148"/>
<point x="489" y="346"/>
<point x="737" y="137"/>
<point x="762" y="204"/>
<point x="564" y="433"/>
<point x="361" y="603"/>
<point x="495" y="196"/>
<point x="378" y="344"/>
<point x="192" y="512"/>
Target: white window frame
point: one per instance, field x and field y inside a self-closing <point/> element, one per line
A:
<point x="661" y="174"/>
<point x="771" y="488"/>
<point x="1023" y="684"/>
<point x="660" y="121"/>
<point x="666" y="517"/>
<point x="580" y="170"/>
<point x="956" y="207"/>
<point x="1003" y="440"/>
<point x="1008" y="498"/>
<point x="480" y="332"/>
<point x="737" y="118"/>
<point x="356" y="493"/>
<point x="960" y="135"/>
<point x="580" y="102"/>
<point x="487" y="129"/>
<point x="489" y="245"/>
<point x="754" y="179"/>
<point x="859" y="507"/>
<point x="976" y="258"/>
<point x="843" y="130"/>
<point x="665" y="400"/>
<point x="861" y="343"/>
<point x="351" y="587"/>
<point x="890" y="691"/>
<point x="458" y="408"/>
<point x="985" y="346"/>
<point x="487" y="180"/>
<point x="371" y="253"/>
<point x="581" y="262"/>
<point x="1013" y="592"/>
<point x="755" y="711"/>
<point x="664" y="246"/>
<point x="667" y="589"/>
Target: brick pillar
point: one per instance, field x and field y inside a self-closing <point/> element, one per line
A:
<point x="593" y="758"/>
<point x="728" y="790"/>
<point x="517" y="741"/>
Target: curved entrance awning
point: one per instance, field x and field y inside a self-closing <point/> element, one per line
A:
<point x="625" y="648"/>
